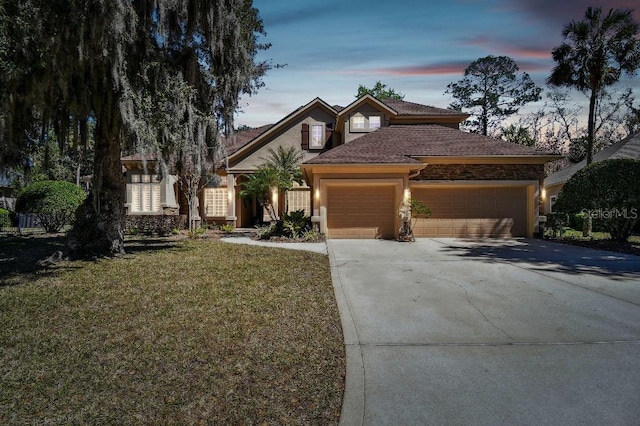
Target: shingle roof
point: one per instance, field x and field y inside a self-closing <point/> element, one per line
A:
<point x="628" y="147"/>
<point x="411" y="108"/>
<point x="240" y="139"/>
<point x="400" y="143"/>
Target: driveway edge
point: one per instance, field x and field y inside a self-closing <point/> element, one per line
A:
<point x="352" y="412"/>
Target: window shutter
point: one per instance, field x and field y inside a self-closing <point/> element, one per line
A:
<point x="305" y="136"/>
<point x="328" y="131"/>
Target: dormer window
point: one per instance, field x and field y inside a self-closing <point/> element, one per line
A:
<point x="358" y="122"/>
<point x="365" y="123"/>
<point x="317" y="136"/>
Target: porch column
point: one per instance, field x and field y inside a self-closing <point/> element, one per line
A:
<point x="231" y="200"/>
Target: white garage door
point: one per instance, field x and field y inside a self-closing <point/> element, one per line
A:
<point x="472" y="211"/>
<point x="361" y="211"/>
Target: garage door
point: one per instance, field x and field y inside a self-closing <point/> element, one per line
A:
<point x="361" y="211"/>
<point x="473" y="212"/>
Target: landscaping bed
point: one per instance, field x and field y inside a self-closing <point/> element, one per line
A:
<point x="600" y="241"/>
<point x="185" y="332"/>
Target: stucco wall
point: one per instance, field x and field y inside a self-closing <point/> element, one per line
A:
<point x="289" y="136"/>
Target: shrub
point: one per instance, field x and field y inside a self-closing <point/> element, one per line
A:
<point x="294" y="223"/>
<point x="52" y="202"/>
<point x="607" y="190"/>
<point x="5" y="220"/>
<point x="557" y="223"/>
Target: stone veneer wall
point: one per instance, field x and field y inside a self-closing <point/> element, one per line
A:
<point x="482" y="172"/>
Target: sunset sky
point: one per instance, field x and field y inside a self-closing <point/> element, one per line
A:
<point x="417" y="47"/>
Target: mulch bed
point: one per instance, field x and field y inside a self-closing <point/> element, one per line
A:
<point x="626" y="247"/>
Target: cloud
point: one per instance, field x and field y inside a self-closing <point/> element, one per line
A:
<point x="285" y="13"/>
<point x="445" y="68"/>
<point x="530" y="56"/>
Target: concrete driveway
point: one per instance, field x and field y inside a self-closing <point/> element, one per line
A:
<point x="449" y="331"/>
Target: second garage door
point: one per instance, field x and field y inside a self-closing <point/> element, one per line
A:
<point x="472" y="211"/>
<point x="361" y="211"/>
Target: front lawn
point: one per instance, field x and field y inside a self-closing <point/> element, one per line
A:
<point x="185" y="332"/>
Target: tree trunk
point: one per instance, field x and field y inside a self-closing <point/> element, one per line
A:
<point x="591" y="125"/>
<point x="99" y="227"/>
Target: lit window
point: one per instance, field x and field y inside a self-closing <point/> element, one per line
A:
<point x="317" y="136"/>
<point x="374" y="122"/>
<point x="552" y="201"/>
<point x="145" y="194"/>
<point x="299" y="198"/>
<point x="357" y="122"/>
<point x="215" y="202"/>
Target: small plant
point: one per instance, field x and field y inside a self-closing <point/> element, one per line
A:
<point x="411" y="209"/>
<point x="197" y="232"/>
<point x="227" y="228"/>
<point x="265" y="232"/>
<point x="133" y="231"/>
<point x="175" y="231"/>
<point x="312" y="236"/>
<point x="557" y="223"/>
<point x="5" y="220"/>
<point x="294" y="223"/>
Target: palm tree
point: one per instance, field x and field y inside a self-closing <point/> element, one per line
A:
<point x="594" y="55"/>
<point x="286" y="161"/>
<point x="278" y="172"/>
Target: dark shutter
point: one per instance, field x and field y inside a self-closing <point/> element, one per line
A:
<point x="328" y="132"/>
<point x="305" y="136"/>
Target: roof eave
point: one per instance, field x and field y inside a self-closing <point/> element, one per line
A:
<point x="487" y="159"/>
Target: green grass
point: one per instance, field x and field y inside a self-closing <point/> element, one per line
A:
<point x="196" y="332"/>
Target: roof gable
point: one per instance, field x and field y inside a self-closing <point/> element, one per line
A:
<point x="259" y="140"/>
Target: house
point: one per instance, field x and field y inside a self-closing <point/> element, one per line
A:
<point x="361" y="161"/>
<point x="148" y="191"/>
<point x="628" y="147"/>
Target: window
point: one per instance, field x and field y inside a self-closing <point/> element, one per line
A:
<point x="145" y="193"/>
<point x="552" y="201"/>
<point x="317" y="136"/>
<point x="357" y="122"/>
<point x="374" y="122"/>
<point x="299" y="198"/>
<point x="215" y="202"/>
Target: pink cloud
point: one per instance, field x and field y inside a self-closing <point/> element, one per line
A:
<point x="454" y="68"/>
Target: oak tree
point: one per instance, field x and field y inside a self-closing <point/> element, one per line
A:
<point x="159" y="75"/>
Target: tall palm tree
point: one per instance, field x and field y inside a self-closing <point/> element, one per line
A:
<point x="594" y="55"/>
